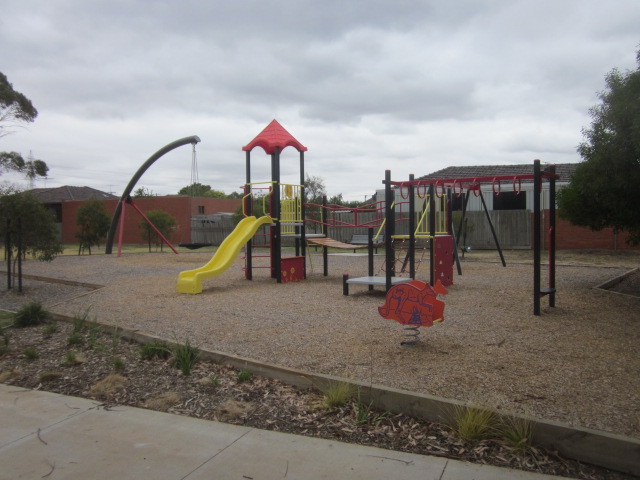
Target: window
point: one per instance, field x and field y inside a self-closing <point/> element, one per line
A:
<point x="510" y="201"/>
<point x="200" y="209"/>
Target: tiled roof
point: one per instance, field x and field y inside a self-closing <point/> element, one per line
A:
<point x="67" y="193"/>
<point x="564" y="170"/>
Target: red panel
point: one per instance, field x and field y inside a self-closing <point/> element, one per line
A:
<point x="292" y="269"/>
<point x="443" y="257"/>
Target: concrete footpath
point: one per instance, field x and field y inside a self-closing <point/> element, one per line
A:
<point x="52" y="436"/>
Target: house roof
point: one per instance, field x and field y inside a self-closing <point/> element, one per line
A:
<point x="67" y="193"/>
<point x="563" y="170"/>
<point x="274" y="135"/>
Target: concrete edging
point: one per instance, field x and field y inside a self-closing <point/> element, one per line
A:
<point x="612" y="451"/>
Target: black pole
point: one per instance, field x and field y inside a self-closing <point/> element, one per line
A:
<point x="370" y="251"/>
<point x="462" y="218"/>
<point x="132" y="183"/>
<point x="493" y="232"/>
<point x="432" y="234"/>
<point x="452" y="231"/>
<point x="303" y="229"/>
<point x="389" y="228"/>
<point x="536" y="237"/>
<point x="552" y="236"/>
<point x="19" y="242"/>
<point x="412" y="229"/>
<point x="325" y="232"/>
<point x="276" y="252"/>
<point x="248" y="207"/>
<point x="7" y="252"/>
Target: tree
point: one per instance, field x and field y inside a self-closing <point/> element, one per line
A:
<point x="314" y="189"/>
<point x="94" y="222"/>
<point x="16" y="108"/>
<point x="163" y="221"/>
<point x="143" y="192"/>
<point x="605" y="188"/>
<point x="39" y="232"/>
<point x="200" y="190"/>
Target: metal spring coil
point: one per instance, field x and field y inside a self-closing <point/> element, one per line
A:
<point x="411" y="334"/>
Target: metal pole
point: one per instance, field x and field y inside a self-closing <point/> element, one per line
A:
<point x="536" y="237"/>
<point x="276" y="252"/>
<point x="248" y="208"/>
<point x="389" y="228"/>
<point x="552" y="236"/>
<point x="493" y="232"/>
<point x="412" y="229"/>
<point x="325" y="232"/>
<point x="303" y="228"/>
<point x="432" y="234"/>
<point x="19" y="242"/>
<point x="8" y="253"/>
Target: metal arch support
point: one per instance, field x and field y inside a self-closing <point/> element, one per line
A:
<point x="134" y="180"/>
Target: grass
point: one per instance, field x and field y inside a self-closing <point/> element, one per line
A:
<point x="94" y="337"/>
<point x="74" y="339"/>
<point x="517" y="432"/>
<point x="336" y="394"/>
<point x="244" y="376"/>
<point x="118" y="364"/>
<point x="50" y="329"/>
<point x="366" y="414"/>
<point x="30" y="314"/>
<point x="185" y="356"/>
<point x="71" y="358"/>
<point x="155" y="349"/>
<point x="31" y="353"/>
<point x="473" y="423"/>
<point x="80" y="321"/>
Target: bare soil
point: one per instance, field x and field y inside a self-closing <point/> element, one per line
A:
<point x="577" y="363"/>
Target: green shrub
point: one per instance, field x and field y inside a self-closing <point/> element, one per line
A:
<point x="51" y="328"/>
<point x="31" y="353"/>
<point x="118" y="364"/>
<point x="185" y="357"/>
<point x="337" y="394"/>
<point x="74" y="339"/>
<point x="517" y="432"/>
<point x="155" y="349"/>
<point x="473" y="423"/>
<point x="80" y="321"/>
<point x="244" y="376"/>
<point x="71" y="358"/>
<point x="30" y="314"/>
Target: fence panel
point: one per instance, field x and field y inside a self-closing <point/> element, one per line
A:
<point x="513" y="229"/>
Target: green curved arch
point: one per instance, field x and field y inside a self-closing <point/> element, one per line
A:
<point x="132" y="183"/>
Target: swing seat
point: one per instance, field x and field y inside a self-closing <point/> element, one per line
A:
<point x="195" y="246"/>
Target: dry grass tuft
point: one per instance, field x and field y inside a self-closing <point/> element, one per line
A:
<point x="108" y="386"/>
<point x="164" y="402"/>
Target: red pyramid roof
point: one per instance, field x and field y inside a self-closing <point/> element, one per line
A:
<point x="274" y="135"/>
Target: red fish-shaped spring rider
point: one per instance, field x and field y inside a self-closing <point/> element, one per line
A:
<point x="414" y="304"/>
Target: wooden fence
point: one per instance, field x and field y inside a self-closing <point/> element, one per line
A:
<point x="513" y="229"/>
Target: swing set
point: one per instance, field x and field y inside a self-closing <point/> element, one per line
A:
<point x="125" y="199"/>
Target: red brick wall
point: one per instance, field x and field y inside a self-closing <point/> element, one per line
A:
<point x="180" y="207"/>
<point x="571" y="237"/>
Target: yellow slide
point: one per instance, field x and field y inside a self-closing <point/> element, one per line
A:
<point x="190" y="281"/>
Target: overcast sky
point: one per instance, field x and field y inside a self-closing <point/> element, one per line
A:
<point x="367" y="85"/>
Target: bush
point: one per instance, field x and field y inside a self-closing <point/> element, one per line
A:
<point x="31" y="314"/>
<point x="155" y="349"/>
<point x="185" y="357"/>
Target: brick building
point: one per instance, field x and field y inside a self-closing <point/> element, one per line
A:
<point x="65" y="201"/>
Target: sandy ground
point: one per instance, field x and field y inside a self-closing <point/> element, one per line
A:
<point x="578" y="363"/>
